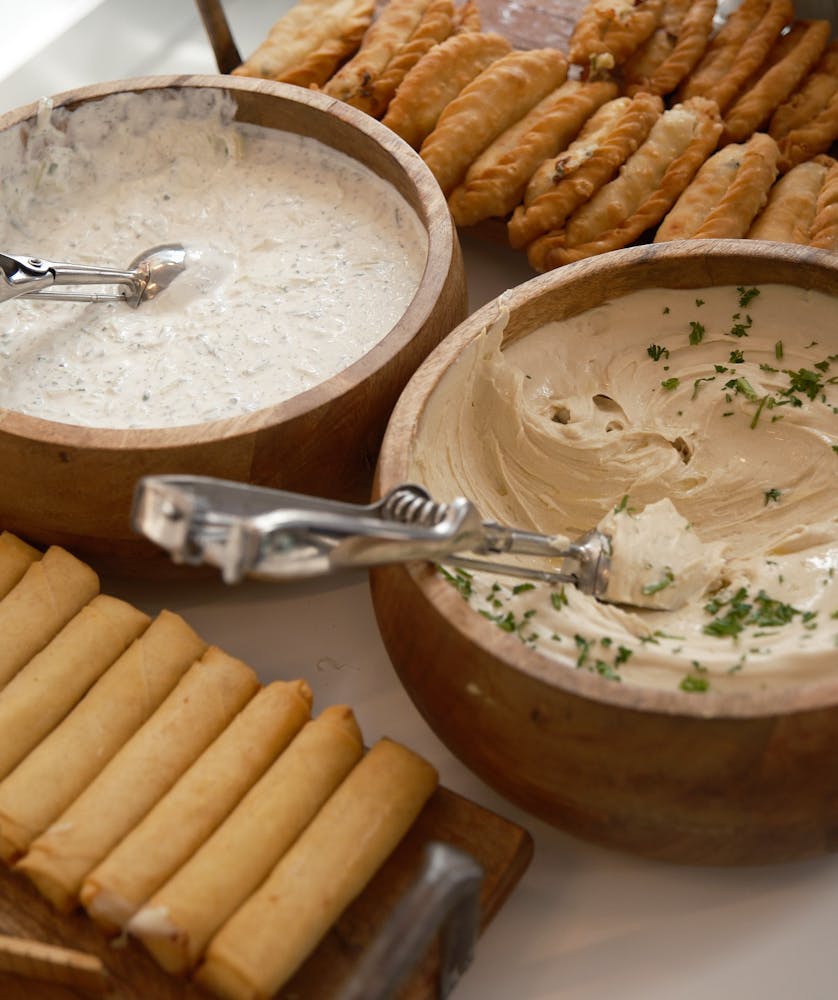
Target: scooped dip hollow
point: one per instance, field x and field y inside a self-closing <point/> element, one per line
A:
<point x="300" y="261"/>
<point x="720" y="401"/>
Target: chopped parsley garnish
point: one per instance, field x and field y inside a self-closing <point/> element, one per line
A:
<point x="666" y="580"/>
<point x="746" y="295"/>
<point x="671" y="383"/>
<point x="694" y="685"/>
<point x="522" y="588"/>
<point x="736" y="358"/>
<point x="558" y="598"/>
<point x="698" y="381"/>
<point x="656" y="352"/>
<point x="459" y="579"/>
<point x="778" y="350"/>
<point x="622" y="505"/>
<point x="697" y="332"/>
<point x="771" y="495"/>
<point x="741" y="611"/>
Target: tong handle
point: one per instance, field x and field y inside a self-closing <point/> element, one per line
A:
<point x="30" y="277"/>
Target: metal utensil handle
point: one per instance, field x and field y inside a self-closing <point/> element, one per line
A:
<point x="444" y="900"/>
<point x="32" y="277"/>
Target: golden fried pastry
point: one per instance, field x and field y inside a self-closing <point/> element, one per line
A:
<point x="15" y="558"/>
<point x="726" y="194"/>
<point x="569" y="180"/>
<point x="467" y="18"/>
<point x="811" y="139"/>
<point x="647" y="187"/>
<point x="674" y="50"/>
<point x="435" y="26"/>
<point x="738" y="50"/>
<point x="500" y="96"/>
<point x="825" y="224"/>
<point x="812" y="97"/>
<point x="436" y="79"/>
<point x="495" y="182"/>
<point x="307" y="44"/>
<point x="382" y="42"/>
<point x="614" y="29"/>
<point x="790" y="210"/>
<point x="796" y="54"/>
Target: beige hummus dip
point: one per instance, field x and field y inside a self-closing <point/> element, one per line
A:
<point x="699" y="429"/>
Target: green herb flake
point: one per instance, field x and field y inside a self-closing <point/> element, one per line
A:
<point x="522" y="588"/>
<point x="736" y="358"/>
<point x="778" y="350"/>
<point x="656" y="352"/>
<point x="694" y="685"/>
<point x="670" y="383"/>
<point x="746" y="295"/>
<point x="771" y="496"/>
<point x="558" y="598"/>
<point x="698" y="381"/>
<point x="697" y="332"/>
<point x="666" y="580"/>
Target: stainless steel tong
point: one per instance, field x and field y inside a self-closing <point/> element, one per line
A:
<point x="254" y="531"/>
<point x="24" y="276"/>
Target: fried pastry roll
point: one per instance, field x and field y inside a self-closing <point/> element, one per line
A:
<point x="500" y="96"/>
<point x="16" y="556"/>
<point x="565" y="182"/>
<point x="738" y="50"/>
<point x="645" y="189"/>
<point x="308" y="44"/>
<point x="790" y="210"/>
<point x="388" y="34"/>
<point x="436" y="79"/>
<point x="673" y="51"/>
<point x="467" y="18"/>
<point x="46" y="689"/>
<point x="614" y="29"/>
<point x="825" y="223"/>
<point x="177" y="922"/>
<point x="808" y="140"/>
<point x="494" y="184"/>
<point x="811" y="98"/>
<point x="334" y="858"/>
<point x="801" y="49"/>
<point x="195" y="806"/>
<point x="726" y="194"/>
<point x="64" y="763"/>
<point x="205" y="700"/>
<point x="51" y="590"/>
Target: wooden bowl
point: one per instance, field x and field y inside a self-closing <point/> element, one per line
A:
<point x="714" y="779"/>
<point x="73" y="485"/>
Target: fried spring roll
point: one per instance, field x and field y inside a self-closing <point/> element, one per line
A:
<point x="576" y="175"/>
<point x="811" y="98"/>
<point x="327" y="867"/>
<point x="205" y="700"/>
<point x="46" y="689"/>
<point x="494" y="184"/>
<point x="306" y="45"/>
<point x="673" y="51"/>
<point x="65" y="762"/>
<point x="178" y="921"/>
<point x="46" y="597"/>
<point x="790" y="210"/>
<point x="738" y="50"/>
<point x="726" y="194"/>
<point x="825" y="224"/>
<point x="802" y="47"/>
<point x="612" y="28"/>
<point x="438" y="77"/>
<point x="808" y="140"/>
<point x="15" y="558"/>
<point x="500" y="96"/>
<point x="467" y="17"/>
<point x="200" y="800"/>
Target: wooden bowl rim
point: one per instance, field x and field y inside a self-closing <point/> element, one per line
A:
<point x="509" y="650"/>
<point x="431" y="207"/>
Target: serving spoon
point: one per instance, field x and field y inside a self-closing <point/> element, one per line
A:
<point x="150" y="273"/>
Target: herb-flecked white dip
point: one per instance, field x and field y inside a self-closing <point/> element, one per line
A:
<point x="300" y="259"/>
<point x="701" y="425"/>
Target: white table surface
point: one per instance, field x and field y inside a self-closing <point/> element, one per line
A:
<point x="584" y="923"/>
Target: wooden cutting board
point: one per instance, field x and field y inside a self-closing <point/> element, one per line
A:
<point x="502" y="848"/>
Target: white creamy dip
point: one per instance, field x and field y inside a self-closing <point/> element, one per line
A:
<point x="300" y="261"/>
<point x="717" y="406"/>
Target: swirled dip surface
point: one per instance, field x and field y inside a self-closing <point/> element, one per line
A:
<point x="300" y="261"/>
<point x="700" y="425"/>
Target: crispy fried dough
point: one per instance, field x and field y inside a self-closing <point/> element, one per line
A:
<point x="674" y="50"/>
<point x="392" y="29"/>
<point x="436" y="25"/>
<point x="800" y="49"/>
<point x="307" y="44"/>
<point x="500" y="96"/>
<point x="646" y="188"/>
<point x="616" y="28"/>
<point x="812" y="97"/>
<point x="790" y="210"/>
<point x="494" y="184"/>
<point x="808" y="140"/>
<point x="738" y="50"/>
<point x="438" y="77"/>
<point x="587" y="164"/>
<point x="726" y="193"/>
<point x="467" y="18"/>
<point x="825" y="224"/>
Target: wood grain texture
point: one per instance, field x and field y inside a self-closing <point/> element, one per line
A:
<point x="716" y="780"/>
<point x="502" y="848"/>
<point x="73" y="485"/>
